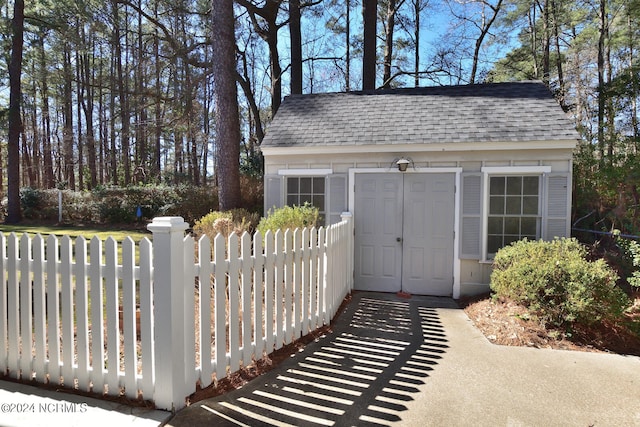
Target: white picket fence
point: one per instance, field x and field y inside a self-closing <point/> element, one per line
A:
<point x="180" y="316"/>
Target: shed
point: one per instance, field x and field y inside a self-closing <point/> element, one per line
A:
<point x="437" y="178"/>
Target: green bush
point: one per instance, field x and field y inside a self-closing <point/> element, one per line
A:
<point x="289" y="217"/>
<point x="32" y="201"/>
<point x="557" y="283"/>
<point x="236" y="220"/>
<point x="192" y="202"/>
<point x="630" y="258"/>
<point x="118" y="205"/>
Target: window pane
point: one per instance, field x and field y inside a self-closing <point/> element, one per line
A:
<point x="493" y="244"/>
<point x="496" y="185"/>
<point x="530" y="205"/>
<point x="514" y="185"/>
<point x="530" y="185"/>
<point x="292" y="185"/>
<point x="510" y="239"/>
<point x="514" y="211"/>
<point x="529" y="227"/>
<point x="496" y="205"/>
<point x="495" y="225"/>
<point x="318" y="185"/>
<point x="292" y="199"/>
<point x="304" y="198"/>
<point x="512" y="226"/>
<point x="513" y="205"/>
<point x="305" y="185"/>
<point x="318" y="202"/>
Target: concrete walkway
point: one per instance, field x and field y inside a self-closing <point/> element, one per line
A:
<point x="420" y="362"/>
<point x="28" y="406"/>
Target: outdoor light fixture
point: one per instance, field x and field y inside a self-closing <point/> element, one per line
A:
<point x="402" y="164"/>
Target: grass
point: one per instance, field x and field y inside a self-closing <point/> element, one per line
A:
<point x="75" y="231"/>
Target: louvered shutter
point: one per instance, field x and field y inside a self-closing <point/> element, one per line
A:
<point x="471" y="218"/>
<point x="273" y="192"/>
<point x="558" y="206"/>
<point x="336" y="197"/>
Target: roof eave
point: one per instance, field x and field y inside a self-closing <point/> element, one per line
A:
<point x="563" y="144"/>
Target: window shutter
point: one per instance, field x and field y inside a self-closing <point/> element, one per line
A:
<point x="558" y="206"/>
<point x="336" y="197"/>
<point x="471" y="218"/>
<point x="272" y="192"/>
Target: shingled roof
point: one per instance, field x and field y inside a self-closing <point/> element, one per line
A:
<point x="497" y="112"/>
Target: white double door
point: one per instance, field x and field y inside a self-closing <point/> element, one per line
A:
<point x="404" y="232"/>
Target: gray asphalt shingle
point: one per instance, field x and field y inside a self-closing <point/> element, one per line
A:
<point x="509" y="112"/>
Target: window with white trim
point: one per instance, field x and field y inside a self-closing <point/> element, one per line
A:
<point x="307" y="189"/>
<point x="514" y="210"/>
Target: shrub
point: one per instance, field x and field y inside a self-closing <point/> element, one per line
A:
<point x="556" y="282"/>
<point x="192" y="202"/>
<point x="289" y="217"/>
<point x="236" y="220"/>
<point x="630" y="254"/>
<point x="32" y="201"/>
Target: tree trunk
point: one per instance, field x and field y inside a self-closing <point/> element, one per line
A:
<point x="370" y="17"/>
<point x="49" y="178"/>
<point x="546" y="44"/>
<point x="635" y="90"/>
<point x="123" y="98"/>
<point x="296" y="46"/>
<point x="67" y="112"/>
<point x="556" y="37"/>
<point x="226" y="104"/>
<point x="87" y="78"/>
<point x="347" y="36"/>
<point x="157" y="136"/>
<point x="269" y="33"/>
<point x="14" y="213"/>
<point x="80" y="90"/>
<point x="602" y="36"/>
<point x="388" y="43"/>
<point x="112" y="170"/>
<point x="417" y="10"/>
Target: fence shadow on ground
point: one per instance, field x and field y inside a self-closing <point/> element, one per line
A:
<point x="382" y="350"/>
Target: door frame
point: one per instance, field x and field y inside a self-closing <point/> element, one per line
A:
<point x="457" y="198"/>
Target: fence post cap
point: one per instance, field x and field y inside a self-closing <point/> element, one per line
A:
<point x="168" y="224"/>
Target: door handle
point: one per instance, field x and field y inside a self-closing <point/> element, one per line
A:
<point x="398" y="239"/>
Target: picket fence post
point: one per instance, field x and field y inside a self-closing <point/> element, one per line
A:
<point x="348" y="217"/>
<point x="169" y="312"/>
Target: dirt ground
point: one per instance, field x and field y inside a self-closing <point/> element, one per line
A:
<point x="507" y="323"/>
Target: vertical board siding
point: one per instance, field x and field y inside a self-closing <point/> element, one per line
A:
<point x="73" y="314"/>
